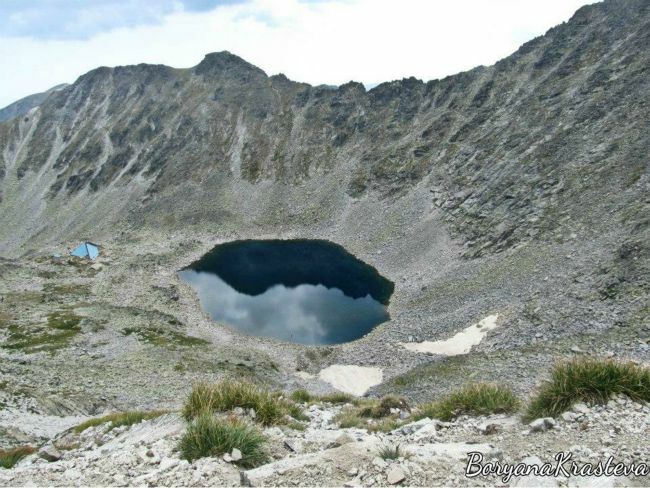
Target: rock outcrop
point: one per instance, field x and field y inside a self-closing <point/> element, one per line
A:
<point x="552" y="137"/>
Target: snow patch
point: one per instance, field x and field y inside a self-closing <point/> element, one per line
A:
<point x="461" y="343"/>
<point x="355" y="380"/>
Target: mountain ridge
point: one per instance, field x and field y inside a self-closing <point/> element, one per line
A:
<point x="25" y="104"/>
<point x="226" y="116"/>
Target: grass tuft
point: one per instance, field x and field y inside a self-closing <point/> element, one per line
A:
<point x="473" y="399"/>
<point x="588" y="380"/>
<point x="301" y="396"/>
<point x="297" y="412"/>
<point x="209" y="436"/>
<point x="270" y="409"/>
<point x="119" y="419"/>
<point x="336" y="398"/>
<point x="382" y="408"/>
<point x="351" y="417"/>
<point x="9" y="457"/>
<point x="389" y="452"/>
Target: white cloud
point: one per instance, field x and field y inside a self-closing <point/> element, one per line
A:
<point x="323" y="42"/>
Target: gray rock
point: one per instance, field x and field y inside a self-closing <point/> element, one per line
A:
<point x="395" y="476"/>
<point x="167" y="463"/>
<point x="488" y="428"/>
<point x="569" y="416"/>
<point x="414" y="426"/>
<point x="293" y="445"/>
<point x="352" y="483"/>
<point x="340" y="441"/>
<point x="50" y="453"/>
<point x="581" y="408"/>
<point x="236" y="455"/>
<point x="542" y="424"/>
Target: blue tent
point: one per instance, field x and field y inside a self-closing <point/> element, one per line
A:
<point x="86" y="250"/>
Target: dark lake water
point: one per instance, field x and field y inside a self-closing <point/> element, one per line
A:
<point x="304" y="291"/>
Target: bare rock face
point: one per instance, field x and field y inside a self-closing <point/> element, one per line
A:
<point x="551" y="135"/>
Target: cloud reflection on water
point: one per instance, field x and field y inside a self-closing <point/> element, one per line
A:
<point x="307" y="314"/>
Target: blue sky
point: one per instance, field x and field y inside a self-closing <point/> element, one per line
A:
<point x="47" y="42"/>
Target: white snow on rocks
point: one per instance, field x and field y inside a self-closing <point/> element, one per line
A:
<point x="355" y="380"/>
<point x="461" y="343"/>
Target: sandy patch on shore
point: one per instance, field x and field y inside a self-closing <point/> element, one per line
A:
<point x="461" y="343"/>
<point x="355" y="380"/>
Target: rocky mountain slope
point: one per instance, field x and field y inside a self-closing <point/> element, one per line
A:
<point x="550" y="137"/>
<point x="517" y="192"/>
<point x="24" y="105"/>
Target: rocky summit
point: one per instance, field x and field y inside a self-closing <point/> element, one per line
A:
<point x="509" y="205"/>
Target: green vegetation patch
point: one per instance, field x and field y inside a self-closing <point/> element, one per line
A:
<point x="61" y="327"/>
<point x="388" y="452"/>
<point x="336" y="398"/>
<point x="373" y="415"/>
<point x="160" y="337"/>
<point x="74" y="289"/>
<point x="120" y="419"/>
<point x="383" y="407"/>
<point x="301" y="396"/>
<point x="472" y="399"/>
<point x="9" y="457"/>
<point x="352" y="417"/>
<point x="63" y="320"/>
<point x="588" y="380"/>
<point x="209" y="436"/>
<point x="450" y="369"/>
<point x="270" y="408"/>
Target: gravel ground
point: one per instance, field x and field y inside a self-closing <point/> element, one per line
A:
<point x="434" y="453"/>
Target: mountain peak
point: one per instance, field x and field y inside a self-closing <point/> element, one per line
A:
<point x="225" y="61"/>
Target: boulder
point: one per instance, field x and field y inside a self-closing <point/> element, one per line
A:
<point x="569" y="416"/>
<point x="395" y="476"/>
<point x="542" y="424"/>
<point x="293" y="445"/>
<point x="580" y="408"/>
<point x="340" y="441"/>
<point x="50" y="453"/>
